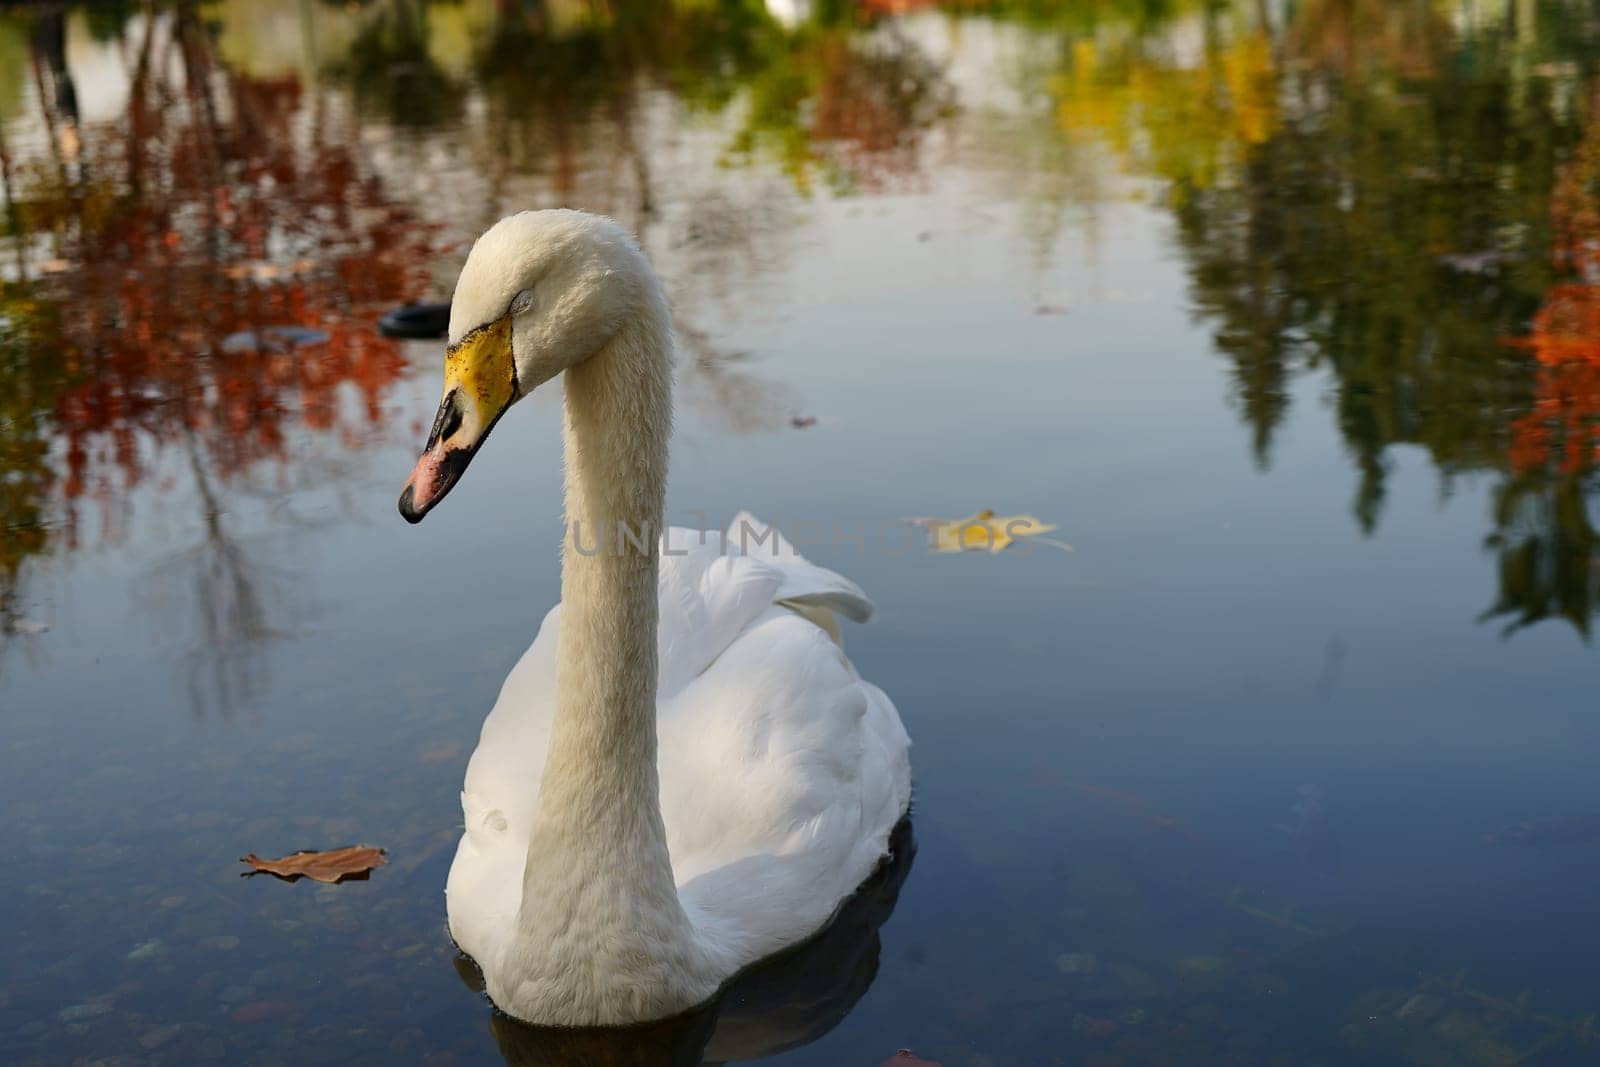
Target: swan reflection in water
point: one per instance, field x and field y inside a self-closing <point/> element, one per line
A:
<point x="779" y="1004"/>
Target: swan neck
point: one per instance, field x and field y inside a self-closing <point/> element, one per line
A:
<point x="615" y="437"/>
<point x="598" y="869"/>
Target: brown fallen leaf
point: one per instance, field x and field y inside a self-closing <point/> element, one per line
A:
<point x="331" y="867"/>
<point x="906" y="1058"/>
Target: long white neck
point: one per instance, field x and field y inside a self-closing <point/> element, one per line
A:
<point x="598" y="890"/>
<point x="600" y="775"/>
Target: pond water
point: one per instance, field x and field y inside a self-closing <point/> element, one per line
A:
<point x="1287" y="316"/>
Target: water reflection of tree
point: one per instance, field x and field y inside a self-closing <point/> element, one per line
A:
<point x="1549" y="551"/>
<point x="1366" y="193"/>
<point x="239" y="603"/>
<point x="578" y="104"/>
<point x="853" y="106"/>
<point x="155" y="254"/>
<point x="393" y="72"/>
<point x="164" y="276"/>
<point x="30" y="382"/>
<point x="821" y="96"/>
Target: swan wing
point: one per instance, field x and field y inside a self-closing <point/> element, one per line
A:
<point x="782" y="775"/>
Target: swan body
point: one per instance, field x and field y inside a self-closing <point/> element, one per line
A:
<point x="684" y="774"/>
<point x="782" y="774"/>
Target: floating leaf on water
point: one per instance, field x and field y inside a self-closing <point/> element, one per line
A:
<point x="986" y="531"/>
<point x="331" y="867"/>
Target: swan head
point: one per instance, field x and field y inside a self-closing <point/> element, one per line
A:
<point x="541" y="291"/>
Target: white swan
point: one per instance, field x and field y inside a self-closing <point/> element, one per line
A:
<point x="692" y="776"/>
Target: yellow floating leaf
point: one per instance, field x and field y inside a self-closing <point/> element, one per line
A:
<point x="986" y="532"/>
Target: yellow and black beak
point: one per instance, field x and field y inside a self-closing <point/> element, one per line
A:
<point x="480" y="383"/>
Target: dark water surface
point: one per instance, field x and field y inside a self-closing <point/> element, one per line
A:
<point x="1288" y="316"/>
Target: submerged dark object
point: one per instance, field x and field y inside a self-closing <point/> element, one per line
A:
<point x="272" y="339"/>
<point x="418" y="322"/>
<point x="1568" y="830"/>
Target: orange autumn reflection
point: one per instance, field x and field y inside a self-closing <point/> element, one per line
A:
<point x="1564" y="425"/>
<point x="217" y="261"/>
<point x="854" y="107"/>
<point x="187" y="325"/>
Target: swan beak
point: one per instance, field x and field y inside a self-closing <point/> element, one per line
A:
<point x="480" y="383"/>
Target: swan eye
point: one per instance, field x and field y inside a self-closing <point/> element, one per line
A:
<point x="523" y="301"/>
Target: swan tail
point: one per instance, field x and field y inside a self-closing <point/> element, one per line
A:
<point x="804" y="584"/>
